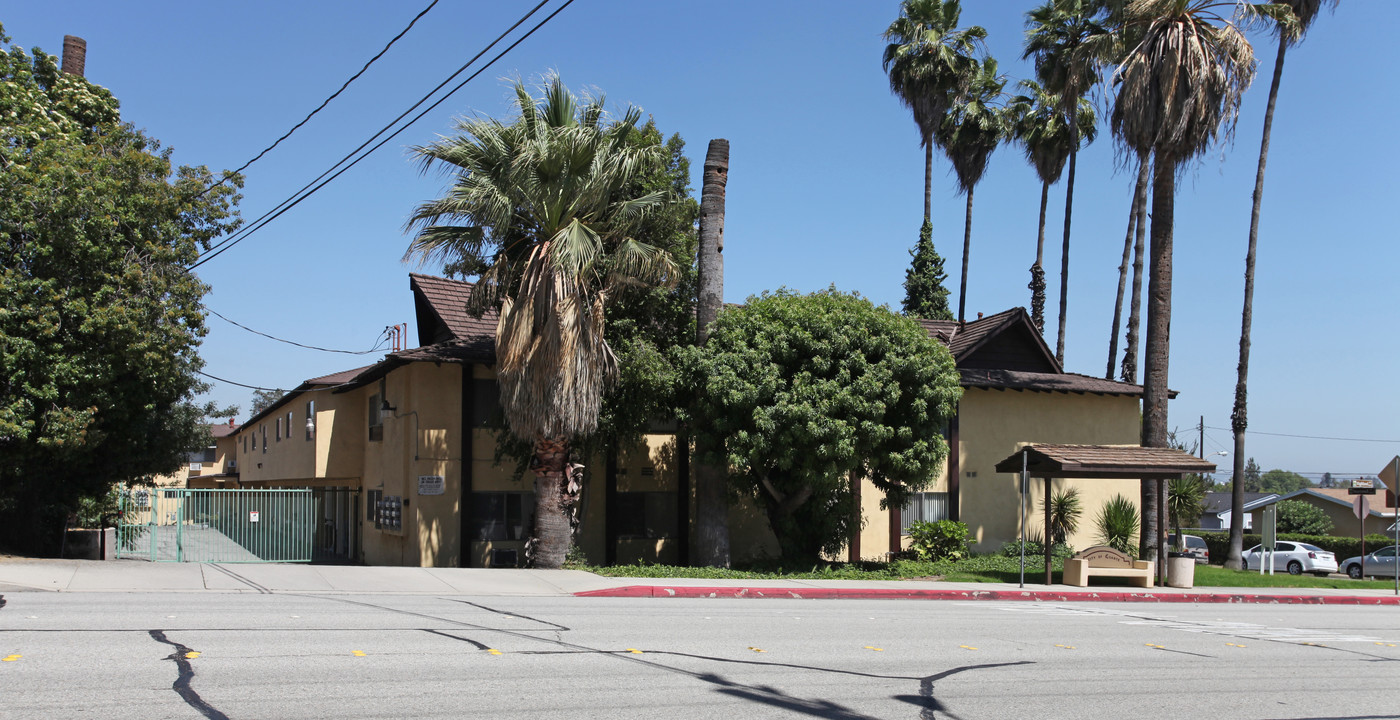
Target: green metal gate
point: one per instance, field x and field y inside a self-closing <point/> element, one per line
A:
<point x="224" y="526"/>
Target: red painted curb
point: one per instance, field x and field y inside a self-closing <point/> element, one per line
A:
<point x="668" y="591"/>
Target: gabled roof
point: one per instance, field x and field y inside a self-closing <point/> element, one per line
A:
<point x="1337" y="496"/>
<point x="221" y="430"/>
<point x="441" y="308"/>
<point x="479" y="350"/>
<point x="317" y="383"/>
<point x="1219" y="502"/>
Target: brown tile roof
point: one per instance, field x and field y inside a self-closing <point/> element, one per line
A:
<point x="1340" y="496"/>
<point x="1105" y="461"/>
<point x="447" y="300"/>
<point x="1046" y="382"/>
<point x="940" y="330"/>
<point x="479" y="350"/>
<point x="220" y="430"/>
<point x="344" y="376"/>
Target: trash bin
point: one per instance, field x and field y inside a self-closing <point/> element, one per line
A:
<point x="1181" y="570"/>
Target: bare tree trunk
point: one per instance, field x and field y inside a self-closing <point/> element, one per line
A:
<point x="967" y="246"/>
<point x="553" y="533"/>
<point x="1158" y="344"/>
<point x="1064" y="255"/>
<point x="711" y="480"/>
<point x="1133" y="221"/>
<point x="928" y="178"/>
<point x="1130" y="356"/>
<point x="1239" y="419"/>
<point x="1037" y="285"/>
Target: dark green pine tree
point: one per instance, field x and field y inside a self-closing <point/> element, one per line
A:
<point x="924" y="293"/>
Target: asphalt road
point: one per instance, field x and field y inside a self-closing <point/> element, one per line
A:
<point x="215" y="655"/>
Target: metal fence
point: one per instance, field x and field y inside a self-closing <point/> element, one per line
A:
<point x="225" y="526"/>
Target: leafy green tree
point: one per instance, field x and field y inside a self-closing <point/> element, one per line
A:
<point x="925" y="295"/>
<point x="1253" y="477"/>
<point x="264" y="399"/>
<point x="101" y="322"/>
<point x="802" y="390"/>
<point x="1282" y="482"/>
<point x="1296" y="516"/>
<point x="537" y="210"/>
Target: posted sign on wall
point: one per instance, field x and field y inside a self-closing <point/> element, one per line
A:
<point x="431" y="484"/>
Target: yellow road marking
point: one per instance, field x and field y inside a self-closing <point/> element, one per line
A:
<point x="967" y="647"/>
<point x="757" y="649"/>
<point x="11" y="658"/>
<point x="634" y="651"/>
<point x="493" y="651"/>
<point x="1159" y="647"/>
<point x="1234" y="645"/>
<point x="1067" y="647"/>
<point x="1383" y="644"/>
<point x="872" y="647"/>
<point x="192" y="654"/>
<point x="358" y="653"/>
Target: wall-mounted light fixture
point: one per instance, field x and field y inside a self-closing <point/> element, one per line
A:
<point x="310" y="428"/>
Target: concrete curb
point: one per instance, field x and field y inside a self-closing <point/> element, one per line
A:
<point x="664" y="591"/>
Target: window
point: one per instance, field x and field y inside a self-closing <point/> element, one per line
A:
<point x="486" y="402"/>
<point x="925" y="507"/>
<point x="255" y="440"/>
<point x="649" y="515"/>
<point x="279" y="430"/>
<point x="372" y="506"/>
<point x="289" y="424"/>
<point x="376" y="421"/>
<point x="310" y="419"/>
<point x="263" y="429"/>
<point x="501" y="515"/>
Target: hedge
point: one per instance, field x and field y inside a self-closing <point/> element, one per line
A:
<point x="1342" y="547"/>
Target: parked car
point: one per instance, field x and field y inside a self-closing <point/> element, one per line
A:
<point x="1195" y="545"/>
<point x="1379" y="563"/>
<point x="1295" y="557"/>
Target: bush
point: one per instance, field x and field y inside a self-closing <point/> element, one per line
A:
<point x="1035" y="548"/>
<point x="1295" y="516"/>
<point x="942" y="540"/>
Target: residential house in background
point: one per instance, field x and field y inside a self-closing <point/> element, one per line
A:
<point x="1340" y="508"/>
<point x="1216" y="512"/>
<point x="402" y="456"/>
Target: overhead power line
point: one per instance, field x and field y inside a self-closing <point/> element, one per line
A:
<point x="219" y="248"/>
<point x="1309" y="437"/>
<point x="377" y="344"/>
<point x="230" y="382"/>
<point x="324" y="103"/>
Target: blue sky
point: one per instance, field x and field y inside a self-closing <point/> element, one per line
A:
<point x="825" y="182"/>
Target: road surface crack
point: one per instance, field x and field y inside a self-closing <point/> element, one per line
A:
<point x="181" y="656"/>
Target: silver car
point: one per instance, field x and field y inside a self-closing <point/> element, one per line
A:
<point x="1380" y="563"/>
<point x="1195" y="546"/>
<point x="1295" y="557"/>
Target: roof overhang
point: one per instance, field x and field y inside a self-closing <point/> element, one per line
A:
<point x="1103" y="461"/>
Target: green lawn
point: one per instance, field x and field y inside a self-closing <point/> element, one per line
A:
<point x="976" y="569"/>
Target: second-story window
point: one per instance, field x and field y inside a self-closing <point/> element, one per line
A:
<point x="310" y="419"/>
<point x="376" y="419"/>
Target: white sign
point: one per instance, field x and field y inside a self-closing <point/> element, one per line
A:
<point x="252" y="516"/>
<point x="431" y="484"/>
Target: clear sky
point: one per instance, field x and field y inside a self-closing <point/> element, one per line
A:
<point x="825" y="182"/>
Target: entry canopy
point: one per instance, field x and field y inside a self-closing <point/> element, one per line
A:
<point x="1104" y="461"/>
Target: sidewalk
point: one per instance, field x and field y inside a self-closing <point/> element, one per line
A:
<point x="23" y="575"/>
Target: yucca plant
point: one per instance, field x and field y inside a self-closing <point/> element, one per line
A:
<point x="1065" y="511"/>
<point x="1117" y="524"/>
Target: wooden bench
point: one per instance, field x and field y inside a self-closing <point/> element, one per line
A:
<point x="1104" y="561"/>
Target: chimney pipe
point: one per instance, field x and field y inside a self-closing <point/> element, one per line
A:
<point x="74" y="54"/>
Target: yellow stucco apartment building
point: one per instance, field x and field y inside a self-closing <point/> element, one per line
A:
<point x="402" y="459"/>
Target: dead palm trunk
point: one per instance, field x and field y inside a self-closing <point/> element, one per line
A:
<point x="1158" y="345"/>
<point x="711" y="499"/>
<point x="1069" y="211"/>
<point x="1134" y="220"/>
<point x="1130" y="355"/>
<point x="967" y="246"/>
<point x="1037" y="285"/>
<point x="1238" y="418"/>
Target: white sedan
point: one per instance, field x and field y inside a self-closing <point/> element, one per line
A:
<point x="1378" y="563"/>
<point x="1295" y="557"/>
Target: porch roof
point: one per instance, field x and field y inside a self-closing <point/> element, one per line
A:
<point x="1104" y="461"/>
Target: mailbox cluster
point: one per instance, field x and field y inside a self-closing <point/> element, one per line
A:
<point x="390" y="513"/>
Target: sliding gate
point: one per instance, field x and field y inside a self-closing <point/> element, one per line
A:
<point x="224" y="526"/>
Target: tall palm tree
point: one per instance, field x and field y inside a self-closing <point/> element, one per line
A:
<point x="974" y="127"/>
<point x="1039" y="125"/>
<point x="537" y="211"/>
<point x="1178" y="89"/>
<point x="928" y="59"/>
<point x="1056" y="33"/>
<point x="1132" y="252"/>
<point x="1290" y="31"/>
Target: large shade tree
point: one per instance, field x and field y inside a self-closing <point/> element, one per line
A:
<point x="801" y="391"/>
<point x="1290" y="30"/>
<point x="973" y="128"/>
<point x="537" y="211"/>
<point x="1056" y="37"/>
<point x="1042" y="129"/>
<point x="100" y="322"/>
<point x="1179" y="87"/>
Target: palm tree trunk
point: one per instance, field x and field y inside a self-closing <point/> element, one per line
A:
<point x="1239" y="418"/>
<point x="1064" y="255"/>
<point x="553" y="532"/>
<point x="1130" y="356"/>
<point x="1133" y="221"/>
<point x="967" y="246"/>
<point x="711" y="480"/>
<point x="1037" y="285"/>
<point x="1158" y="345"/>
<point x="928" y="178"/>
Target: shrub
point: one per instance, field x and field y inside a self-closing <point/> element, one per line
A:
<point x="1342" y="547"/>
<point x="1295" y="516"/>
<point x="1035" y="548"/>
<point x="1117" y="524"/>
<point x="1065" y="510"/>
<point x="945" y="539"/>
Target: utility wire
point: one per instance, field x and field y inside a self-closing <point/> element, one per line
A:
<point x="1309" y="437"/>
<point x="230" y="382"/>
<point x="289" y="203"/>
<point x="323" y="104"/>
<point x="376" y="347"/>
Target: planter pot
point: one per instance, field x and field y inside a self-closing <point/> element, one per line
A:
<point x="1181" y="570"/>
